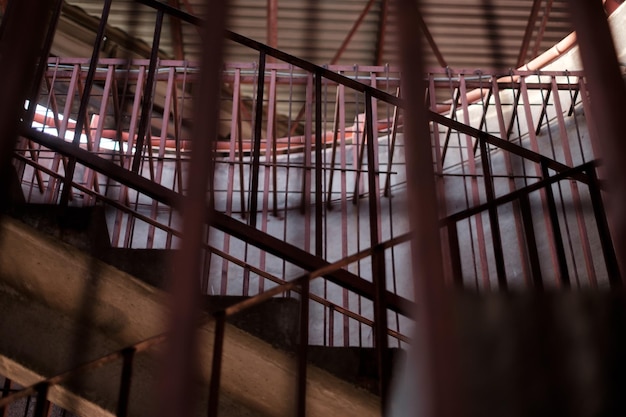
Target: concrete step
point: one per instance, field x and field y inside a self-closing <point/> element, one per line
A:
<point x="275" y="321"/>
<point x="61" y="307"/>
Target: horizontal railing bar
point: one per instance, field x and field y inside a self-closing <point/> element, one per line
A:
<point x="221" y="221"/>
<point x="568" y="174"/>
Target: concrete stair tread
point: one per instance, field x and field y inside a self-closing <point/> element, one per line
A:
<point x="257" y="378"/>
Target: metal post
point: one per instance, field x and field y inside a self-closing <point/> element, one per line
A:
<point x="177" y="395"/>
<point x="435" y="334"/>
<point x="608" y="91"/>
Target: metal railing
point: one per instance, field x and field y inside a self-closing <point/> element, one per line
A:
<point x="334" y="158"/>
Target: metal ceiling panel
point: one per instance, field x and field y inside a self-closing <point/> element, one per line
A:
<point x="468" y="33"/>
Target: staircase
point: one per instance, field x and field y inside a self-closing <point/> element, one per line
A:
<point x="309" y="202"/>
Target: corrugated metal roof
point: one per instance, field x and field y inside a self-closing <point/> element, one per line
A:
<point x="315" y="29"/>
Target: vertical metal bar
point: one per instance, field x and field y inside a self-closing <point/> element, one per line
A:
<point x="569" y="160"/>
<point x="216" y="367"/>
<point x="378" y="258"/>
<point x="471" y="163"/>
<point x="516" y="97"/>
<point x="453" y="109"/>
<point x="493" y="217"/>
<point x="359" y="152"/>
<point x="530" y="28"/>
<point x="272" y="23"/>
<point x="531" y="242"/>
<point x="607" y="88"/>
<point x="6" y="388"/>
<point x="319" y="202"/>
<point x="40" y="404"/>
<point x="305" y="206"/>
<point x="455" y="255"/>
<point x="556" y="229"/>
<point x="303" y="350"/>
<point x="179" y="368"/>
<point x="158" y="177"/>
<point x="351" y="33"/>
<point x="382" y="31"/>
<point x="540" y="171"/>
<point x="511" y="181"/>
<point x="146" y="109"/>
<point x="232" y="156"/>
<point x="608" y="250"/>
<point x="333" y="154"/>
<point x="392" y="146"/>
<point x="92" y="177"/>
<point x="435" y="331"/>
<point x="343" y="201"/>
<point x="448" y="258"/>
<point x="84" y="101"/>
<point x="544" y="111"/>
<point x="256" y="153"/>
<point x="128" y="355"/>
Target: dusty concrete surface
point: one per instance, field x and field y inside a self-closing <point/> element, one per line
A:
<point x="62" y="307"/>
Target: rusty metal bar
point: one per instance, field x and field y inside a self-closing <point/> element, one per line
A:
<point x="455" y="254"/>
<point x="177" y="396"/>
<point x="493" y="218"/>
<point x="392" y="146"/>
<point x="544" y="111"/>
<point x="530" y="28"/>
<point x="382" y="29"/>
<point x="471" y="164"/>
<point x="378" y="259"/>
<point x="432" y="300"/>
<point x="41" y="402"/>
<point x="580" y="216"/>
<point x="542" y="27"/>
<point x="351" y="33"/>
<point x="256" y="153"/>
<point x="272" y="23"/>
<point x="222" y="222"/>
<point x="531" y="242"/>
<point x="556" y="237"/>
<point x="608" y="250"/>
<point x="319" y="196"/>
<point x="216" y="363"/>
<point x="336" y="130"/>
<point x="128" y="356"/>
<point x="511" y="182"/>
<point x="303" y="349"/>
<point x="547" y="196"/>
<point x="84" y="101"/>
<point x="606" y="86"/>
<point x="146" y="109"/>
